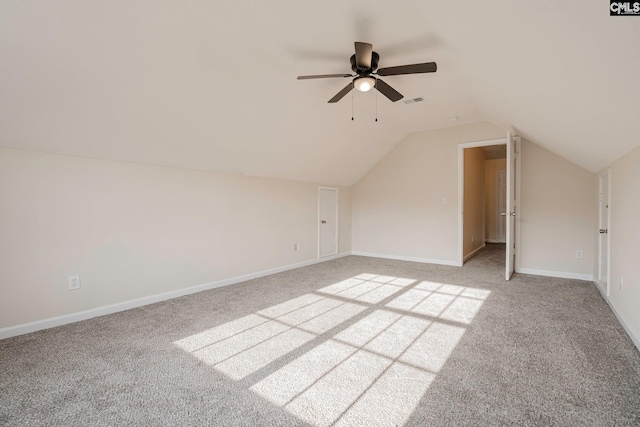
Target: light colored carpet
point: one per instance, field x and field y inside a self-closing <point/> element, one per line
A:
<point x="351" y="342"/>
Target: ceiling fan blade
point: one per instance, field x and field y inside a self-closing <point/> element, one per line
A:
<point x="427" y="67"/>
<point x="363" y="55"/>
<point x="388" y="91"/>
<point x="342" y="93"/>
<point x="323" y="76"/>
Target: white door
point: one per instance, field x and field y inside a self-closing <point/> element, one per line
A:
<point x="511" y="210"/>
<point x="328" y="221"/>
<point x="502" y="206"/>
<point x="603" y="240"/>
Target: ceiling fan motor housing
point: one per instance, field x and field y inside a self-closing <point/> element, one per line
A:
<point x="364" y="71"/>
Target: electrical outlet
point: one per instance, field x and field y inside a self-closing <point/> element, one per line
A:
<point x="579" y="254"/>
<point x="296" y="247"/>
<point x="621" y="282"/>
<point x="473" y="239"/>
<point x="74" y="282"/>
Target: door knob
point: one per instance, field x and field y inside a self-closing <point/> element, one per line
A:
<point x="323" y="221"/>
<point x="508" y="213"/>
<point x="603" y="231"/>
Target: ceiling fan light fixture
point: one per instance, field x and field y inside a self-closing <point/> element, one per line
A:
<point x="364" y="84"/>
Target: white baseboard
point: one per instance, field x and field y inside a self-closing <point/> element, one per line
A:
<point x="560" y="274"/>
<point x="52" y="322"/>
<point x="627" y="329"/>
<point x="602" y="288"/>
<point x="494" y="241"/>
<point x="406" y="258"/>
<point x="469" y="256"/>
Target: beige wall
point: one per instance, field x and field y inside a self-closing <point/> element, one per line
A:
<point x="557" y="216"/>
<point x="492" y="216"/>
<point x="397" y="206"/>
<point x="625" y="241"/>
<point x="473" y="218"/>
<point x="134" y="230"/>
<point x="398" y="211"/>
<point x="344" y="220"/>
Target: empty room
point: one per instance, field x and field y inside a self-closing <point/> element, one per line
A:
<point x="295" y="214"/>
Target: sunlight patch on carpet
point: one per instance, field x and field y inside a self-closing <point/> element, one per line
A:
<point x="365" y="349"/>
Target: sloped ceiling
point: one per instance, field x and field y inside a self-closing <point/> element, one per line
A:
<point x="212" y="85"/>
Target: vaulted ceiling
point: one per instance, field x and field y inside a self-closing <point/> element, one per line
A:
<point x="212" y="85"/>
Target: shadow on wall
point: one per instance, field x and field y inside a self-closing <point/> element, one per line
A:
<point x="375" y="343"/>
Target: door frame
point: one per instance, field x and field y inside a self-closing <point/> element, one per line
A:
<point x="486" y="143"/>
<point x="606" y="290"/>
<point x="337" y="191"/>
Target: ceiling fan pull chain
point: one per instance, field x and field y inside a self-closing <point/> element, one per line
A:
<point x="376" y="106"/>
<point x="351" y="105"/>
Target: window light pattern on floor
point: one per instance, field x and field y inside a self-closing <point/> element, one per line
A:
<point x="379" y="343"/>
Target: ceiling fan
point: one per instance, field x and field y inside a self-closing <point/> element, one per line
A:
<point x="365" y="65"/>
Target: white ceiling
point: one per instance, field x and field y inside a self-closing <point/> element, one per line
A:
<point x="212" y="85"/>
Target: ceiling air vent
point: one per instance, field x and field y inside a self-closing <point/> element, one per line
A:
<point x="411" y="101"/>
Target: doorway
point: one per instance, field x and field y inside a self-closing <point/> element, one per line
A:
<point x="488" y="195"/>
<point x="327" y="221"/>
<point x="484" y="200"/>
